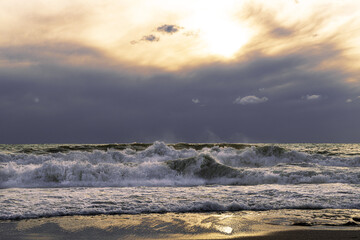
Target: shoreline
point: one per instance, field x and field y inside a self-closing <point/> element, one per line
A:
<point x="308" y="234"/>
<point x="247" y="225"/>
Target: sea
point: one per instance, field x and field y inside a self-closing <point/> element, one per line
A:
<point x="49" y="180"/>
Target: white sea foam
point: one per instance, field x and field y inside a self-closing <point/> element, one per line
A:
<point x="140" y="178"/>
<point x="20" y="203"/>
<point x="162" y="165"/>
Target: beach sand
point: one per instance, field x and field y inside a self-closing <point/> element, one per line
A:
<point x="226" y="225"/>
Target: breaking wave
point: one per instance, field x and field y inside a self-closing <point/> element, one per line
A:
<point x="159" y="164"/>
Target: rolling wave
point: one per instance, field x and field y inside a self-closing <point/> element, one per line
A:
<point x="159" y="164"/>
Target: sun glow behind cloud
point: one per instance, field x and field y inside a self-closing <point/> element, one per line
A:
<point x="208" y="30"/>
<point x="220" y="32"/>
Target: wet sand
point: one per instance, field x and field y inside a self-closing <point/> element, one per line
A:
<point x="307" y="234"/>
<point x="226" y="225"/>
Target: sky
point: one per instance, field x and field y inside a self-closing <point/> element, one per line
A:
<point x="120" y="71"/>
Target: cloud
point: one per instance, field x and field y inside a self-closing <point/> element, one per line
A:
<point x="168" y="28"/>
<point x="150" y="38"/>
<point x="147" y="38"/>
<point x="312" y="97"/>
<point x="128" y="101"/>
<point x="349" y="100"/>
<point x="285" y="31"/>
<point x="281" y="32"/>
<point x="195" y="100"/>
<point x="250" y="100"/>
<point x="291" y="33"/>
<point x="57" y="53"/>
<point x="131" y="96"/>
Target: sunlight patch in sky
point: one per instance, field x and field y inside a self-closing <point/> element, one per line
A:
<point x="199" y="32"/>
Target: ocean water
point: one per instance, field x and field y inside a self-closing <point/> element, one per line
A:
<point x="65" y="180"/>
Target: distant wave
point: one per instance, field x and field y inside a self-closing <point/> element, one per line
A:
<point x="183" y="164"/>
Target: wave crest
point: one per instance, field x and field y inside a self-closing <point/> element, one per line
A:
<point x="160" y="164"/>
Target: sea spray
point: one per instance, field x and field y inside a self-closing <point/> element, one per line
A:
<point x="162" y="165"/>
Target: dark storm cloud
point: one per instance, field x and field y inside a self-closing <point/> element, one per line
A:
<point x="56" y="102"/>
<point x="170" y="29"/>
